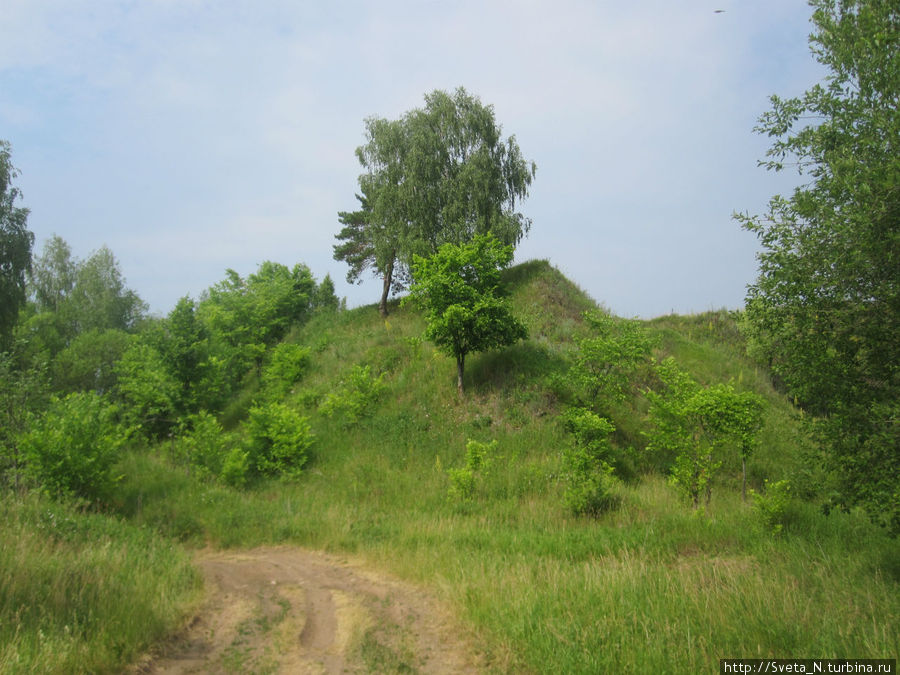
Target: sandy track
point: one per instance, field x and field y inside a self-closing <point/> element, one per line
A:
<point x="287" y="610"/>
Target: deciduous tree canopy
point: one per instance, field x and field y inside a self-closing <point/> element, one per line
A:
<point x="825" y="310"/>
<point x="440" y="174"/>
<point x="459" y="289"/>
<point x="15" y="246"/>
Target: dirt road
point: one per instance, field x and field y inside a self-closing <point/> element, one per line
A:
<point x="286" y="610"/>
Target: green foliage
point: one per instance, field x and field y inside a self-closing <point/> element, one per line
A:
<point x="692" y="424"/>
<point x="244" y="317"/>
<point x="147" y="389"/>
<point x="236" y="467"/>
<point x="75" y="297"/>
<point x="203" y="444"/>
<point x="72" y="449"/>
<point x="287" y="363"/>
<point x="465" y="482"/>
<point x="587" y="463"/>
<point x="84" y="593"/>
<point x="608" y="361"/>
<point x="16" y="241"/>
<point x="770" y="506"/>
<point x="24" y="393"/>
<point x="88" y="363"/>
<point x="279" y="440"/>
<point x="326" y="299"/>
<point x="186" y="348"/>
<point x="356" y="397"/>
<point x="441" y="174"/>
<point x="825" y="310"/>
<point x="100" y="299"/>
<point x="459" y="290"/>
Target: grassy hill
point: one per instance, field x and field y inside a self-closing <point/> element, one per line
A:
<point x="649" y="585"/>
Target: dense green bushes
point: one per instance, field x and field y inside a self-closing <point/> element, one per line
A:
<point x="71" y="450"/>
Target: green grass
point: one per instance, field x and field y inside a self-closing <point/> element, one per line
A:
<point x="84" y="593"/>
<point x="647" y="587"/>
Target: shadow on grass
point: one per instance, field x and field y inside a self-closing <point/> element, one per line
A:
<point x="512" y="367"/>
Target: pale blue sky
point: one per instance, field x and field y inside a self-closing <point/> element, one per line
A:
<point x="191" y="136"/>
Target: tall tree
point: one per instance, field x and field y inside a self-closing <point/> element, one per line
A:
<point x="440" y="174"/>
<point x="15" y="246"/>
<point x="825" y="309"/>
<point x="465" y="309"/>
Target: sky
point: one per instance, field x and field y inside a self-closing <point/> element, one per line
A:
<point x="193" y="136"/>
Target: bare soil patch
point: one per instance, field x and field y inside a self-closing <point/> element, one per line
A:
<point x="287" y="610"/>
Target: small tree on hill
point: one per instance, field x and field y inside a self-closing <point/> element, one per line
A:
<point x="695" y="423"/>
<point x="459" y="289"/>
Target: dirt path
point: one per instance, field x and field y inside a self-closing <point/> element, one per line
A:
<point x="286" y="610"/>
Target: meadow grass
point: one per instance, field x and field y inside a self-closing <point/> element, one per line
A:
<point x="84" y="593"/>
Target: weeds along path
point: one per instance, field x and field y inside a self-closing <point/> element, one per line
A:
<point x="287" y="610"/>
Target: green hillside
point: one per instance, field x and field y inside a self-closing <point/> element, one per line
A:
<point x="649" y="585"/>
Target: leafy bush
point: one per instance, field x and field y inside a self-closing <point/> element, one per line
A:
<point x="236" y="467"/>
<point x="148" y="388"/>
<point x="286" y="366"/>
<point x="771" y="507"/>
<point x="70" y="451"/>
<point x="587" y="463"/>
<point x="203" y="443"/>
<point x="464" y="481"/>
<point x="279" y="438"/>
<point x="356" y="398"/>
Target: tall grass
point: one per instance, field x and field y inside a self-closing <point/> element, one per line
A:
<point x="83" y="593"/>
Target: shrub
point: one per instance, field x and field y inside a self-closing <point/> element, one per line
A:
<point x="771" y="507"/>
<point x="464" y="481"/>
<point x="70" y="451"/>
<point x="203" y="443"/>
<point x="279" y="438"/>
<point x="236" y="467"/>
<point x="148" y="389"/>
<point x="286" y="366"/>
<point x="356" y="398"/>
<point x="588" y="470"/>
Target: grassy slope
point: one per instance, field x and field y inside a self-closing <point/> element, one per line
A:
<point x="648" y="586"/>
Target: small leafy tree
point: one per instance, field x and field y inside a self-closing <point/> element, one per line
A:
<point x="693" y="424"/>
<point x="71" y="450"/>
<point x="465" y="309"/>
<point x="464" y="481"/>
<point x="202" y="443"/>
<point x="587" y="462"/>
<point x="286" y="366"/>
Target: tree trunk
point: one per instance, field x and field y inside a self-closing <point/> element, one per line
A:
<point x="386" y="289"/>
<point x="460" y="367"/>
<point x="743" y="479"/>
